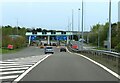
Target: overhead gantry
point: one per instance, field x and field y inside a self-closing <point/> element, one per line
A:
<point x="48" y="34"/>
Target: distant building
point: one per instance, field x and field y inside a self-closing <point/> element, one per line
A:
<point x="119" y="11"/>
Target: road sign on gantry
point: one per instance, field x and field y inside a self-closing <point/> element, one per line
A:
<point x="33" y="37"/>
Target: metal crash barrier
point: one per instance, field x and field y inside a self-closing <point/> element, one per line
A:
<point x="109" y="59"/>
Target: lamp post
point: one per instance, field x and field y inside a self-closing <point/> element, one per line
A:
<point x="78" y="24"/>
<point x="72" y="21"/>
<point x="78" y="28"/>
<point x="98" y="37"/>
<point x="109" y="36"/>
<point x="82" y="27"/>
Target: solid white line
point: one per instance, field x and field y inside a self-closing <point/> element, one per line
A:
<point x="1" y="67"/>
<point x="8" y="64"/>
<point x="23" y="63"/>
<point x="15" y="66"/>
<point x="11" y="72"/>
<point x="32" y="62"/>
<point x="27" y="71"/>
<point x="13" y="69"/>
<point x="8" y="77"/>
<point x="102" y="66"/>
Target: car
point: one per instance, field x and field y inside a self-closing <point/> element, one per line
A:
<point x="41" y="46"/>
<point x="54" y="44"/>
<point x="10" y="46"/>
<point x="62" y="49"/>
<point x="75" y="46"/>
<point x="45" y="44"/>
<point x="49" y="49"/>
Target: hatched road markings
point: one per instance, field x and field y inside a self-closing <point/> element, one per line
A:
<point x="11" y="70"/>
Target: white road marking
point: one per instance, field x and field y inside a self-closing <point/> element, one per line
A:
<point x="25" y="58"/>
<point x="102" y="66"/>
<point x="13" y="69"/>
<point x="17" y="62"/>
<point x="19" y="66"/>
<point x="1" y="67"/>
<point x="8" y="77"/>
<point x="23" y="74"/>
<point x="10" y="60"/>
<point x="23" y="63"/>
<point x="15" y="66"/>
<point x="7" y="64"/>
<point x="11" y="72"/>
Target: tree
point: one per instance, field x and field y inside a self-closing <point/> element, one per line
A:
<point x="18" y="41"/>
<point x="102" y="30"/>
<point x="39" y="30"/>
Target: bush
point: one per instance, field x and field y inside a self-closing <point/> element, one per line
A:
<point x="118" y="47"/>
<point x="6" y="40"/>
<point x="17" y="42"/>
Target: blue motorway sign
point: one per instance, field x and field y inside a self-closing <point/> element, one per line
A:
<point x="32" y="38"/>
<point x="61" y="38"/>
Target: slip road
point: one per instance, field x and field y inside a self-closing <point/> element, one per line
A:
<point x="64" y="66"/>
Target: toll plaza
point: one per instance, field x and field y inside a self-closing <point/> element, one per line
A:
<point x="57" y="36"/>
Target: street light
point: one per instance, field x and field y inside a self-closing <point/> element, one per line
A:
<point x="78" y="24"/>
<point x="82" y="27"/>
<point x="72" y="21"/>
<point x="78" y="28"/>
<point x="109" y="36"/>
<point x="99" y="35"/>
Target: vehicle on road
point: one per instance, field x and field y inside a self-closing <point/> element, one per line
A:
<point x="41" y="46"/>
<point x="45" y="44"/>
<point x="54" y="44"/>
<point x="75" y="46"/>
<point x="62" y="49"/>
<point x="10" y="46"/>
<point x="49" y="49"/>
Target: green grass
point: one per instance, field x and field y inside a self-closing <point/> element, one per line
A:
<point x="0" y="51"/>
<point x="5" y="51"/>
<point x="101" y="48"/>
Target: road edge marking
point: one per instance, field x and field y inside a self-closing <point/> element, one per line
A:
<point x="28" y="70"/>
<point x="100" y="65"/>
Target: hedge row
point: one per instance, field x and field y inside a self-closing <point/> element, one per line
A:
<point x="16" y="42"/>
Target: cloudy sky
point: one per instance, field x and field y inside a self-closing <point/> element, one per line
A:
<point x="55" y="14"/>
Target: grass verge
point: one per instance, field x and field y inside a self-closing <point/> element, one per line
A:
<point x="5" y="51"/>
